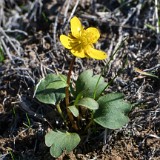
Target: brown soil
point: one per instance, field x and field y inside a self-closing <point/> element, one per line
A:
<point x="29" y="38"/>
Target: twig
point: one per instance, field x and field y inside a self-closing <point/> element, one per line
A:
<point x="120" y="39"/>
<point x="72" y="13"/>
<point x="153" y="68"/>
<point x="55" y="24"/>
<point x="35" y="7"/>
<point x="156" y="16"/>
<point x="111" y="46"/>
<point x="16" y="30"/>
<point x="55" y="32"/>
<point x="2" y="18"/>
<point x="66" y="11"/>
<point x="9" y="40"/>
<point x="138" y="8"/>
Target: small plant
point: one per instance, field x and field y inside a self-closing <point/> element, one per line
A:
<point x="86" y="105"/>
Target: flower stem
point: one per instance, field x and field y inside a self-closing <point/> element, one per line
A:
<point x="74" y="125"/>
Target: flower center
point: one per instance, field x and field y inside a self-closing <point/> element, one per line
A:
<point x="84" y="40"/>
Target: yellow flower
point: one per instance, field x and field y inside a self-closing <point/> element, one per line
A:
<point x="80" y="41"/>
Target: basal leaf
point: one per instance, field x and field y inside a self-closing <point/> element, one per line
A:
<point x="50" y="89"/>
<point x="92" y="86"/>
<point x="74" y="110"/>
<point x="88" y="103"/>
<point x="112" y="112"/>
<point x="61" y="141"/>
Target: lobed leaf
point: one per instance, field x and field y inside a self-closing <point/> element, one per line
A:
<point x="61" y="141"/>
<point x="92" y="86"/>
<point x="50" y="89"/>
<point x="112" y="112"/>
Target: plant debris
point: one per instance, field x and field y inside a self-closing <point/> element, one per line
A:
<point x="29" y="42"/>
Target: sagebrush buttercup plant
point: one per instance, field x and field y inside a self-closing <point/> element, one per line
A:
<point x="86" y="104"/>
<point x="80" y="41"/>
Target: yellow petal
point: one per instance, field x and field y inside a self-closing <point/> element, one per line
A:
<point x="94" y="53"/>
<point x="78" y="52"/>
<point x="76" y="27"/>
<point x="66" y="41"/>
<point x="93" y="34"/>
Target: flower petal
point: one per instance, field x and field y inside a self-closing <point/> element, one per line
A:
<point x="94" y="53"/>
<point x="76" y="27"/>
<point x="66" y="41"/>
<point x="93" y="34"/>
<point x="78" y="52"/>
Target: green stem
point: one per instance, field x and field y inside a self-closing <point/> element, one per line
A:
<point x="60" y="111"/>
<point x="74" y="125"/>
<point x="88" y="125"/>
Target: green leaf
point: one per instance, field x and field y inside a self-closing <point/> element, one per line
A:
<point x="57" y="83"/>
<point x="61" y="141"/>
<point x="88" y="103"/>
<point x="74" y="110"/>
<point x="92" y="85"/>
<point x="50" y="89"/>
<point x="112" y="112"/>
<point x="78" y="97"/>
<point x="1" y="55"/>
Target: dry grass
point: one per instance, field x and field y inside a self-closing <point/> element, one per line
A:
<point x="29" y="37"/>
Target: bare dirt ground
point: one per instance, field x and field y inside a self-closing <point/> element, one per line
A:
<point x="29" y="40"/>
